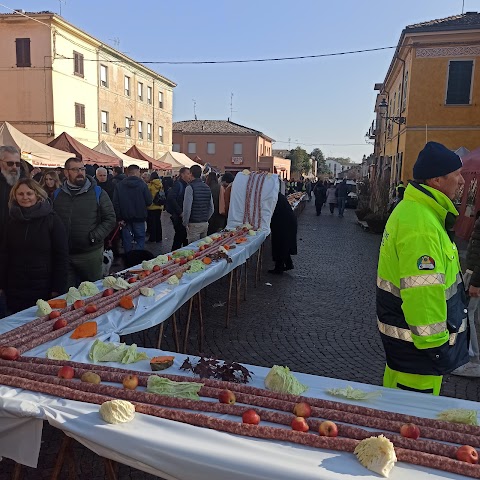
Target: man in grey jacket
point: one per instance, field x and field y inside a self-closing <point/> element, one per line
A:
<point x="88" y="216"/>
<point x="197" y="206"/>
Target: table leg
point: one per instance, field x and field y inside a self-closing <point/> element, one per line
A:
<point x="175" y="331"/>
<point x="109" y="470"/>
<point x="160" y="335"/>
<point x="238" y="281"/>
<point x="201" y="333"/>
<point x="187" y="326"/>
<point x="17" y="472"/>
<point x="64" y="447"/>
<point x="229" y="298"/>
<point x="257" y="269"/>
<point x="246" y="281"/>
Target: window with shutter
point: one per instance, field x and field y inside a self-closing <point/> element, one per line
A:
<point x="459" y="82"/>
<point x="79" y="115"/>
<point x="149" y="95"/>
<point x="22" y="46"/>
<point x="160" y="99"/>
<point x="78" y="64"/>
<point x="149" y="131"/>
<point x="127" y="86"/>
<point x="140" y="130"/>
<point x="104" y="121"/>
<point x="160" y="134"/>
<point x="103" y="76"/>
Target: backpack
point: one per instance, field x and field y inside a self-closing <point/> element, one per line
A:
<point x="159" y="199"/>
<point x="98" y="191"/>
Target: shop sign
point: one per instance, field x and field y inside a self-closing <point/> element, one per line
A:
<point x="237" y="160"/>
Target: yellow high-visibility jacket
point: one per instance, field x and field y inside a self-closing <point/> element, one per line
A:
<point x="421" y="302"/>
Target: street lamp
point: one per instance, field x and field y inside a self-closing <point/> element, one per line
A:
<point x="131" y="123"/>
<point x="383" y="107"/>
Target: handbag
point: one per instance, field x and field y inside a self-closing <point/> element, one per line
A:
<point x="160" y="199"/>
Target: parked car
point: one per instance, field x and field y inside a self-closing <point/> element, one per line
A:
<point x="352" y="196"/>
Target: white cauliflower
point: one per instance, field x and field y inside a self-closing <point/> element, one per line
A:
<point x="147" y="292"/>
<point x="377" y="454"/>
<point x="43" y="308"/>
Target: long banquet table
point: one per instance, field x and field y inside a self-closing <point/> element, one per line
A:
<point x="176" y="451"/>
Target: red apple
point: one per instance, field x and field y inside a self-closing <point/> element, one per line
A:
<point x="300" y="424"/>
<point x="107" y="292"/>
<point x="302" y="409"/>
<point x="251" y="417"/>
<point x="328" y="429"/>
<point x="132" y="279"/>
<point x="9" y="353"/>
<point x="156" y="268"/>
<point x="468" y="454"/>
<point x="60" y="323"/>
<point x="177" y="260"/>
<point x="66" y="372"/>
<point x="147" y="272"/>
<point x="165" y="271"/>
<point x="183" y="261"/>
<point x="232" y="234"/>
<point x="202" y="248"/>
<point x="91" y="308"/>
<point x="196" y="255"/>
<point x="227" y="396"/>
<point x="54" y="314"/>
<point x="410" y="430"/>
<point x="78" y="304"/>
<point x="130" y="382"/>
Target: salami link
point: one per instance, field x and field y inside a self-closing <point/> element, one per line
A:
<point x="439" y="463"/>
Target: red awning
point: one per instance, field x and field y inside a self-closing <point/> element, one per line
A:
<point x="135" y="152"/>
<point x="68" y="144"/>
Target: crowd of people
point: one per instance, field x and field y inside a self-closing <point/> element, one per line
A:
<point x="56" y="224"/>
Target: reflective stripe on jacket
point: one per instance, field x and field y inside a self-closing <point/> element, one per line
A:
<point x="421" y="303"/>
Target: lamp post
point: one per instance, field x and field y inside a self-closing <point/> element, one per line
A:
<point x="131" y="123"/>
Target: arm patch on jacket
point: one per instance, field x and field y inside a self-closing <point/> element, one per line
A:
<point x="426" y="263"/>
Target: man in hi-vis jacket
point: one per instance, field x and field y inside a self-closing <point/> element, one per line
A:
<point x="421" y="302"/>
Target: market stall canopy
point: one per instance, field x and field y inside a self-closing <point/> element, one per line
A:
<point x="470" y="200"/>
<point x="36" y="153"/>
<point x="177" y="160"/>
<point x="107" y="149"/>
<point x="67" y="143"/>
<point x="135" y="152"/>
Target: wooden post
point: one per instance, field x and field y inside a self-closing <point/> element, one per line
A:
<point x="187" y="326"/>
<point x="201" y="330"/>
<point x="57" y="469"/>
<point x="229" y="299"/>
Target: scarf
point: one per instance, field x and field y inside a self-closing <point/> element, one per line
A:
<point x="40" y="209"/>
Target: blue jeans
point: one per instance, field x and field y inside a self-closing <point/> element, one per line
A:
<point x="133" y="231"/>
<point x="341" y="205"/>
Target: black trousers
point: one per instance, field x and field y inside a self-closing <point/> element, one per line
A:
<point x="180" y="238"/>
<point x="154" y="223"/>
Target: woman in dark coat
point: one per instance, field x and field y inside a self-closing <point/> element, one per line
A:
<point x="284" y="235"/>
<point x="217" y="222"/>
<point x="320" y="192"/>
<point x="33" y="263"/>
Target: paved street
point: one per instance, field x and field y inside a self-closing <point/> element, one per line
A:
<point x="318" y="319"/>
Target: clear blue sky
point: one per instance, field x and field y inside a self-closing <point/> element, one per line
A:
<point x="313" y="102"/>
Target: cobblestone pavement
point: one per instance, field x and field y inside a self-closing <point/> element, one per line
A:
<point x="318" y="319"/>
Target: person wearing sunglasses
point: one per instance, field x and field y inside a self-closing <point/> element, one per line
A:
<point x="9" y="175"/>
<point x="88" y="216"/>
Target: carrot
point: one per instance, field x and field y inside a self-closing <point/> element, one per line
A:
<point x="85" y="330"/>
<point x="57" y="303"/>
<point x="126" y="302"/>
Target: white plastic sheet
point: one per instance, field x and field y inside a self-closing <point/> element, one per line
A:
<point x="179" y="451"/>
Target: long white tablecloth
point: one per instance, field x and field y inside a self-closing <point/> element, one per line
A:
<point x="182" y="452"/>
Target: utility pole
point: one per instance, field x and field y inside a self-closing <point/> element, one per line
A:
<point x="194" y="108"/>
<point x="463" y="6"/>
<point x="231" y="105"/>
<point x="60" y="4"/>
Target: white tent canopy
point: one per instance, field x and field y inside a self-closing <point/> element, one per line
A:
<point x="105" y="147"/>
<point x="36" y="153"/>
<point x="177" y="160"/>
<point x="462" y="151"/>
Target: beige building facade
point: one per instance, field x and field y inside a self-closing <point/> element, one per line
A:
<point x="57" y="78"/>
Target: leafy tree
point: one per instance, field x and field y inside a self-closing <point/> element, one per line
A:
<point x="322" y="168"/>
<point x="299" y="158"/>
